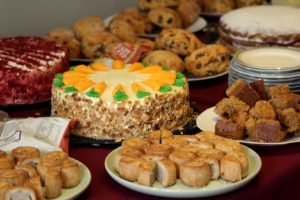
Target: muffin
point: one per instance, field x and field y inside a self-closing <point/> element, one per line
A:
<point x="165" y="18"/>
<point x="189" y="11"/>
<point x="66" y="36"/>
<point x="145" y="5"/>
<point x="123" y="30"/>
<point x="217" y="6"/>
<point x="208" y="60"/>
<point x="88" y="25"/>
<point x="98" y="45"/>
<point x="179" y="41"/>
<point x="164" y="58"/>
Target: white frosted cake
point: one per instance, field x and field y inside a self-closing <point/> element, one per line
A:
<point x="113" y="100"/>
<point x="261" y="26"/>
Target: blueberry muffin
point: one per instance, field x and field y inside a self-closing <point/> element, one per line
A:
<point x="123" y="30"/>
<point x="179" y="41"/>
<point x="208" y="60"/>
<point x="141" y="25"/>
<point x="146" y="5"/>
<point x="165" y="18"/>
<point x="66" y="36"/>
<point x="217" y="6"/>
<point x="88" y="25"/>
<point x="189" y="11"/>
<point x="243" y="3"/>
<point x="164" y="58"/>
<point x="98" y="44"/>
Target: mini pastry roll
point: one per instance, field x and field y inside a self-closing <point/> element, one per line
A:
<point x="56" y="156"/>
<point x="243" y="159"/>
<point x="195" y="174"/>
<point x="156" y="137"/>
<point x="137" y="143"/>
<point x="146" y="173"/>
<point x="166" y="172"/>
<point x="53" y="184"/>
<point x="175" y="143"/>
<point x="153" y="157"/>
<point x="210" y="153"/>
<point x="159" y="149"/>
<point x="128" y="168"/>
<point x="45" y="165"/>
<point x="229" y="146"/>
<point x="214" y="165"/>
<point x="71" y="174"/>
<point x="30" y="170"/>
<point x="20" y="193"/>
<point x="4" y="187"/>
<point x="126" y="152"/>
<point x="188" y="138"/>
<point x="14" y="177"/>
<point x="35" y="184"/>
<point x="209" y="137"/>
<point x="231" y="168"/>
<point x="6" y="162"/>
<point x="180" y="158"/>
<point x="202" y="145"/>
<point x="23" y="152"/>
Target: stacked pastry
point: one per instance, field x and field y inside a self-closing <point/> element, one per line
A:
<point x="24" y="172"/>
<point x="263" y="114"/>
<point x="195" y="159"/>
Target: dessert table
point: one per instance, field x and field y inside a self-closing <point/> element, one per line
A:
<point x="278" y="178"/>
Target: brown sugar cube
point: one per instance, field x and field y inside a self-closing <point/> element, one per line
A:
<point x="259" y="87"/>
<point x="262" y="110"/>
<point x="227" y="107"/>
<point x="289" y="118"/>
<point x="243" y="91"/>
<point x="228" y="129"/>
<point x="276" y="90"/>
<point x="267" y="130"/>
<point x="288" y="100"/>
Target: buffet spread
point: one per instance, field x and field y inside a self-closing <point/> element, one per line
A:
<point x="126" y="80"/>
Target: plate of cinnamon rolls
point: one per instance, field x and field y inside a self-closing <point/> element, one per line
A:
<point x="182" y="166"/>
<point x="26" y="173"/>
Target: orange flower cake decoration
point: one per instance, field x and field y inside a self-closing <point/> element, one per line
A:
<point x="126" y="81"/>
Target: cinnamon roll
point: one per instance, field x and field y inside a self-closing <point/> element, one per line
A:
<point x="146" y="173"/>
<point x="195" y="174"/>
<point x="128" y="168"/>
<point x="23" y="152"/>
<point x="71" y="174"/>
<point x="53" y="184"/>
<point x="180" y="158"/>
<point x="156" y="137"/>
<point x="166" y="172"/>
<point x="30" y="170"/>
<point x="35" y="184"/>
<point x="229" y="146"/>
<point x="159" y="149"/>
<point x="14" y="177"/>
<point x="126" y="152"/>
<point x="137" y="143"/>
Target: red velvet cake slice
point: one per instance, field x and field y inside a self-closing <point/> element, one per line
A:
<point x="27" y="68"/>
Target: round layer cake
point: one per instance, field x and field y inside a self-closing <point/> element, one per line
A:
<point x="113" y="100"/>
<point x="27" y="68"/>
<point x="261" y="26"/>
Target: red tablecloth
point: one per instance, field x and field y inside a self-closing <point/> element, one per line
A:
<point x="278" y="179"/>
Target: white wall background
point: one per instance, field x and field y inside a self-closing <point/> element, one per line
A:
<point x="37" y="17"/>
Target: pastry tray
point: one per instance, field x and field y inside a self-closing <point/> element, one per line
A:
<point x="189" y="128"/>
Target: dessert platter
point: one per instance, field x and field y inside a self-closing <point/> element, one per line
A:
<point x="181" y="153"/>
<point x="255" y="114"/>
<point x="28" y="173"/>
